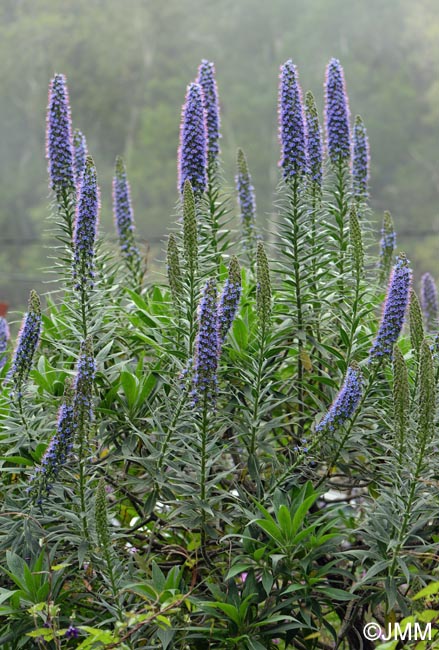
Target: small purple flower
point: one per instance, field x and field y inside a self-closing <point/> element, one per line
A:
<point x="86" y="222"/>
<point x="123" y="215"/>
<point x="206" y="79"/>
<point x="4" y="338"/>
<point x="429" y="301"/>
<point x="337" y="114"/>
<point x="314" y="141"/>
<point x="346" y="401"/>
<point x="207" y="348"/>
<point x="229" y="300"/>
<point x="72" y="632"/>
<point x="80" y="153"/>
<point x="59" y="144"/>
<point x="361" y="160"/>
<point x="27" y="344"/>
<point x="394" y="309"/>
<point x="192" y="153"/>
<point x="291" y="123"/>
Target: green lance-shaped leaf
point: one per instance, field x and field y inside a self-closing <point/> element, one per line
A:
<point x="416" y="322"/>
<point x="263" y="288"/>
<point x="356" y="239"/>
<point x="174" y="271"/>
<point x="190" y="238"/>
<point x="401" y="397"/>
<point x="427" y="394"/>
<point x="101" y="516"/>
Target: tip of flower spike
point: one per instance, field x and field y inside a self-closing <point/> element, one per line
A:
<point x="34" y="302"/>
<point x="119" y="167"/>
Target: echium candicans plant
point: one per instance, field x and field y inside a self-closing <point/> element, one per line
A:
<point x="58" y="450"/>
<point x="174" y="271"/>
<point x="346" y="401"/>
<point x="387" y="246"/>
<point x="313" y="145"/>
<point x="229" y="299"/>
<point x="27" y="344"/>
<point x="291" y="123"/>
<point x="80" y="153"/>
<point x="59" y="143"/>
<point x="338" y="135"/>
<point x="124" y="219"/>
<point x="360" y="160"/>
<point x="394" y="310"/>
<point x="207" y="349"/>
<point x="192" y="152"/>
<point x="206" y="79"/>
<point x="86" y="223"/>
<point x="4" y="340"/>
<point x="247" y="204"/>
<point x="429" y="301"/>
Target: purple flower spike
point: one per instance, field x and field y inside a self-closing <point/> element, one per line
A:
<point x="394" y="309"/>
<point x="86" y="222"/>
<point x="246" y="198"/>
<point x="345" y="403"/>
<point x="4" y="338"/>
<point x="207" y="348"/>
<point x="229" y="300"/>
<point x="58" y="450"/>
<point x="59" y="144"/>
<point x="314" y="141"/>
<point x="80" y="154"/>
<point x="27" y="344"/>
<point x="123" y="215"/>
<point x="337" y="114"/>
<point x="429" y="301"/>
<point x="206" y="79"/>
<point x="361" y="160"/>
<point x="291" y="123"/>
<point x="192" y="153"/>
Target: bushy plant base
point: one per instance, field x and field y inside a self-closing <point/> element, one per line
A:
<point x="244" y="454"/>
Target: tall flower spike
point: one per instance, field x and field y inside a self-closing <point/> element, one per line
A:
<point x="190" y="236"/>
<point x="174" y="271"/>
<point x="356" y="240"/>
<point x="59" y="144"/>
<point x="229" y="299"/>
<point x="86" y="223"/>
<point x="337" y="114"/>
<point x="101" y="516"/>
<point x="80" y="154"/>
<point x="401" y="397"/>
<point x="4" y="338"/>
<point x="123" y="216"/>
<point x="394" y="309"/>
<point x="192" y="153"/>
<point x="291" y="123"/>
<point x="58" y="450"/>
<point x="263" y="286"/>
<point x="246" y="199"/>
<point x="314" y="141"/>
<point x="416" y="324"/>
<point x="345" y="403"/>
<point x="429" y="301"/>
<point x="427" y="394"/>
<point x="206" y="79"/>
<point x="387" y="246"/>
<point x="27" y="343"/>
<point x="361" y="160"/>
<point x="83" y="387"/>
<point x="207" y="348"/>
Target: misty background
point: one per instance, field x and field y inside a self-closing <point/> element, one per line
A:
<point x="128" y="64"/>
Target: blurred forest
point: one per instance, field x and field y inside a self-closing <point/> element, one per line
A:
<point x="128" y="63"/>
